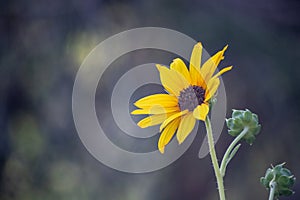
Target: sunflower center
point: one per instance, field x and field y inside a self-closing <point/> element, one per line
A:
<point x="191" y="97"/>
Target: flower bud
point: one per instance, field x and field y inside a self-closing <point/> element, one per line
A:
<point x="283" y="178"/>
<point x="242" y="119"/>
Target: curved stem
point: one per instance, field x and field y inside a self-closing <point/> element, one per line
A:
<point x="272" y="189"/>
<point x="229" y="150"/>
<point x="214" y="159"/>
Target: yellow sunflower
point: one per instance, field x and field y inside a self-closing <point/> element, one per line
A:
<point x="188" y="96"/>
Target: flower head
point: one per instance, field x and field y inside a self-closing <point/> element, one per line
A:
<point x="283" y="179"/>
<point x="241" y="120"/>
<point x="189" y="92"/>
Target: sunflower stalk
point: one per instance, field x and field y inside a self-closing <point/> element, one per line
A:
<point x="231" y="150"/>
<point x="272" y="189"/>
<point x="232" y="154"/>
<point x="214" y="159"/>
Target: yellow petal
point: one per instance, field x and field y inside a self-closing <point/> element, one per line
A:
<point x="154" y="120"/>
<point x="212" y="87"/>
<point x="156" y="109"/>
<point x="209" y="67"/>
<point x="226" y="69"/>
<point x="201" y="111"/>
<point x="196" y="56"/>
<point x="164" y="100"/>
<point x="196" y="77"/>
<point x="167" y="134"/>
<point x="172" y="81"/>
<point x="186" y="125"/>
<point x="179" y="66"/>
<point x="171" y="118"/>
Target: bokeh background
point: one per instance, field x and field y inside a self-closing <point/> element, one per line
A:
<point x="42" y="46"/>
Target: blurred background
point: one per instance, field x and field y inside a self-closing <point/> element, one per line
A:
<point x="42" y="46"/>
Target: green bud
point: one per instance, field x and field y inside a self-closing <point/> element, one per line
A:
<point x="234" y="133"/>
<point x="287" y="192"/>
<point x="242" y="119"/>
<point x="283" y="178"/>
<point x="247" y="116"/>
<point x="212" y="102"/>
<point x="284" y="181"/>
<point x="237" y="113"/>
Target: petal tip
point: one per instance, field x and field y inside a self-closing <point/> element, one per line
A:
<point x="199" y="44"/>
<point x="161" y="127"/>
<point x="176" y="59"/>
<point x="225" y="48"/>
<point x="135" y="103"/>
<point x="179" y="141"/>
<point x="161" y="150"/>
<point x="141" y="125"/>
<point x="158" y="66"/>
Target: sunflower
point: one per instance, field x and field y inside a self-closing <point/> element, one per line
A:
<point x="189" y="92"/>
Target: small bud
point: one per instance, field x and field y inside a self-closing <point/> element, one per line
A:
<point x="283" y="178"/>
<point x="242" y="119"/>
<point x="212" y="102"/>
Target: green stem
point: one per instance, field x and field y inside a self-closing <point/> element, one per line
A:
<point x="214" y="159"/>
<point x="272" y="189"/>
<point x="230" y="148"/>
